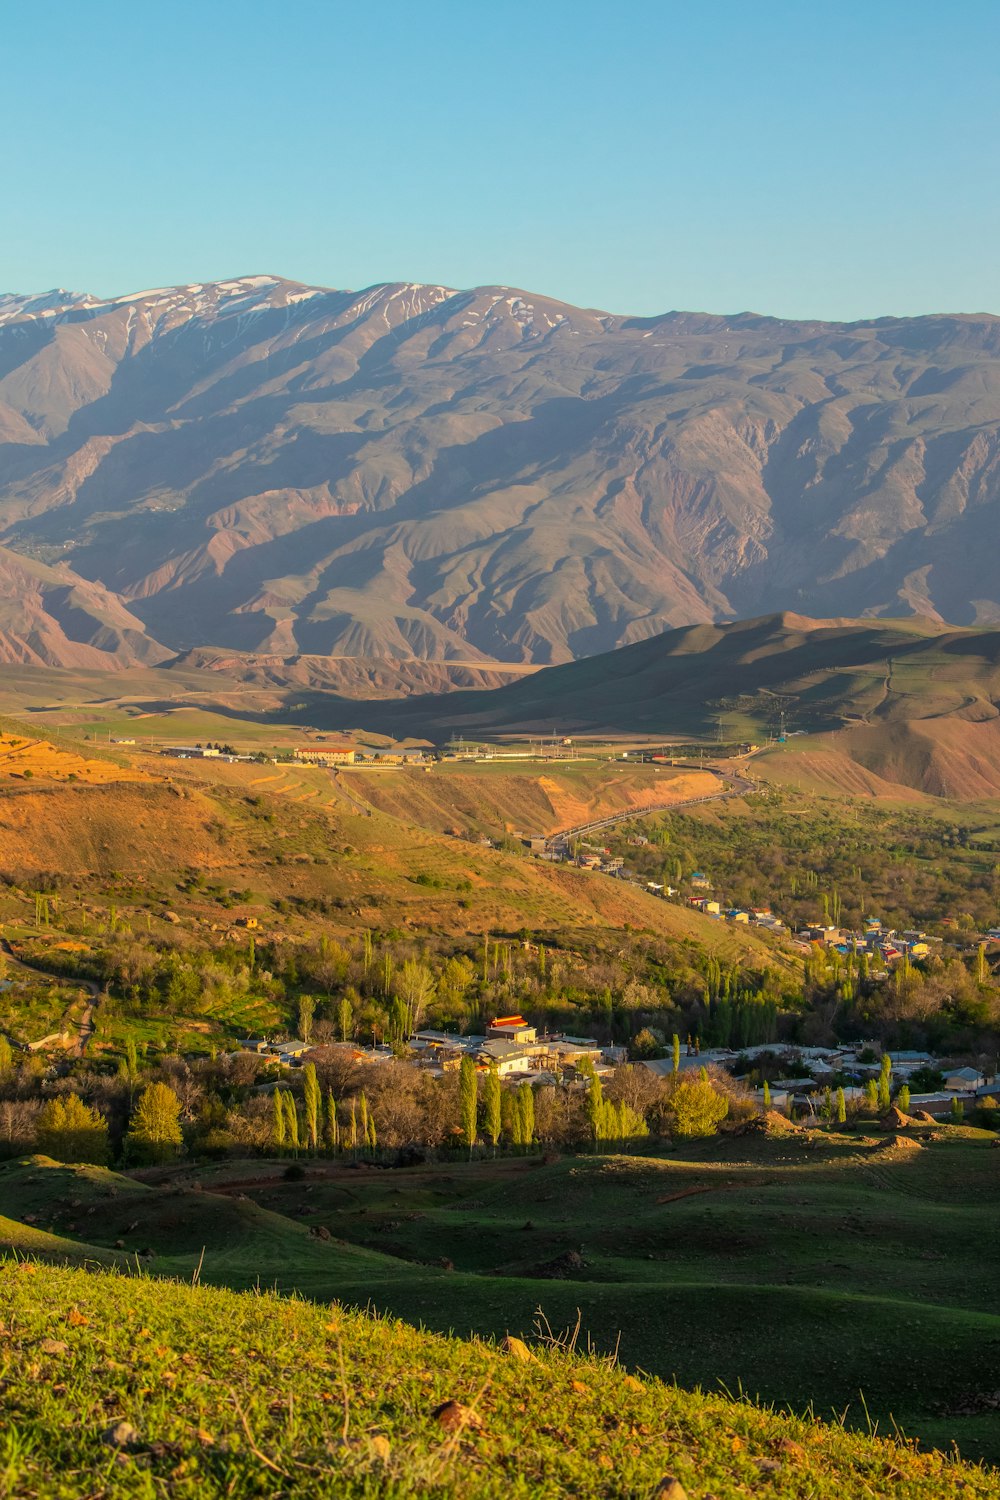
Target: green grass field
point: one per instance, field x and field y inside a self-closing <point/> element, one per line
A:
<point x="117" y="1385"/>
<point x="808" y="1271"/>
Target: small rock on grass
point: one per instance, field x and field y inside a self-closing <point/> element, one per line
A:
<point x="53" y="1346"/>
<point x="453" y="1416"/>
<point x="518" y="1349"/>
<point x="120" y="1435"/>
<point x="669" y="1488"/>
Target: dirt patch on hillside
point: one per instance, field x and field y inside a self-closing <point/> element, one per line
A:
<point x="82" y="830"/>
<point x="770" y="1123"/>
<point x="896" y="1120"/>
<point x="952" y="757"/>
<point x="533" y="803"/>
<point x="899" y="1143"/>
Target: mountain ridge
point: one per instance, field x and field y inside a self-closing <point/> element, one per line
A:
<point x="418" y="472"/>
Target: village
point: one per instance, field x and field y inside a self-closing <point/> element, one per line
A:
<point x="803" y="1077"/>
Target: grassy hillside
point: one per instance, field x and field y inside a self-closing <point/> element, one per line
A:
<point x="913" y="704"/>
<point x="808" y="1269"/>
<point x="495" y="797"/>
<point x="154" y="1388"/>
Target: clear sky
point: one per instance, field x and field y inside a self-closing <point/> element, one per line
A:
<point x="795" y="157"/>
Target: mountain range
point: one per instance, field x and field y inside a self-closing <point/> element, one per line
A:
<point x="413" y="475"/>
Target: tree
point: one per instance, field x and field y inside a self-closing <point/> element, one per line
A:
<point x="313" y="1105"/>
<point x="416" y="990"/>
<point x="903" y="1099"/>
<point x="331" y="1133"/>
<point x="677" y="1053"/>
<point x="595" y="1101"/>
<point x="767" y="1094"/>
<point x="526" y="1109"/>
<point x="129" y="1069"/>
<point x="6" y="1058"/>
<point x="345" y="1019"/>
<point x="155" y="1132"/>
<point x="277" y="1119"/>
<point x="957" y="1110"/>
<point x="291" y="1120"/>
<point x="884" y="1081"/>
<point x="491" y="1104"/>
<point x="307" y="1009"/>
<point x="467" y="1100"/>
<point x="695" y="1107"/>
<point x="871" y="1095"/>
<point x="841" y="1107"/>
<point x="70" y="1131"/>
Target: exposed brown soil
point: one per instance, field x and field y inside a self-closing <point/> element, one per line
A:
<point x="896" y="1120"/>
<point x="126" y="827"/>
<point x="770" y="1123"/>
<point x="899" y="1143"/>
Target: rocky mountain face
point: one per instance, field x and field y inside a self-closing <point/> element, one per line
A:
<point x="258" y="466"/>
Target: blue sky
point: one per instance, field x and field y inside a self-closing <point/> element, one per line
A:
<point x="802" y="159"/>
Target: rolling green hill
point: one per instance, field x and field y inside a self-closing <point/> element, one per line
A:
<point x="161" y="1388"/>
<point x="807" y="1270"/>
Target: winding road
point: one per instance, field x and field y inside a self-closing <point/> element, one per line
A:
<point x="733" y="786"/>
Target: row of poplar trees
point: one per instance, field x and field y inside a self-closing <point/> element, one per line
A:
<point x="318" y="1126"/>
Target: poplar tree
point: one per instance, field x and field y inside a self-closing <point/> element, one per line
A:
<point x="278" y="1119"/>
<point x="313" y="1105"/>
<point x="595" y="1103"/>
<point x="363" y="1117"/>
<point x="331" y="1130"/>
<point x="767" y="1094"/>
<point x="526" y="1107"/>
<point x="467" y="1099"/>
<point x="903" y="1099"/>
<point x="291" y="1121"/>
<point x="885" y="1076"/>
<point x="491" y="1103"/>
<point x="677" y="1053"/>
<point x="841" y="1107"/>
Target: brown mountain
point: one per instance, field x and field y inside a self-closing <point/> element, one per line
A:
<point x="875" y="707"/>
<point x="412" y="472"/>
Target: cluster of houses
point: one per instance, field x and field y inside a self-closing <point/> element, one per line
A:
<point x="740" y="916"/>
<point x="509" y="1043"/>
<point x="880" y="942"/>
<point x="515" y="1049"/>
<point x="807" y="1072"/>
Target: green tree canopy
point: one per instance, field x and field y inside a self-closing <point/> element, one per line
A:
<point x="155" y="1132"/>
